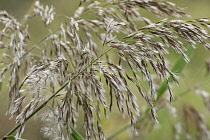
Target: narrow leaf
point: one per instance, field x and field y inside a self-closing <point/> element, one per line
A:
<point x="10" y="137"/>
<point x="76" y="135"/>
<point x="177" y="68"/>
<point x="13" y="138"/>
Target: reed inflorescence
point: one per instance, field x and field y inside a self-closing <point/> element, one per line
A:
<point x="71" y="69"/>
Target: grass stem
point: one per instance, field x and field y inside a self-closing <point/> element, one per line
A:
<point x="177" y="68"/>
<point x="52" y="96"/>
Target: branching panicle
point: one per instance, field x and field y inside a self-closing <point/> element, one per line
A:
<point x="73" y="58"/>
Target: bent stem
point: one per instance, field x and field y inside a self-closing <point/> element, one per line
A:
<point x="52" y="96"/>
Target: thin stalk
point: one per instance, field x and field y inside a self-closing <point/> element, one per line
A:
<point x="23" y="20"/>
<point x="34" y="46"/>
<point x="123" y="129"/>
<point x="118" y="132"/>
<point x="52" y="96"/>
<point x="178" y="68"/>
<point x="29" y="12"/>
<point x="37" y="44"/>
<point x="142" y="118"/>
<point x="23" y="24"/>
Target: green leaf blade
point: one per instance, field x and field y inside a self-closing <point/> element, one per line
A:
<point x="13" y="138"/>
<point x="76" y="135"/>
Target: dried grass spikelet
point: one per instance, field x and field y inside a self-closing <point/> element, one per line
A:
<point x="45" y="12"/>
<point x="51" y="128"/>
<point x="191" y="115"/>
<point x="192" y="119"/>
<point x="74" y="56"/>
<point x="13" y="38"/>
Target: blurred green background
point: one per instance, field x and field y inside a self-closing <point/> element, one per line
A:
<point x="194" y="74"/>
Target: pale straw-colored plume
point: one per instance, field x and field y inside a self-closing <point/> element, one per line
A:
<point x="95" y="59"/>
